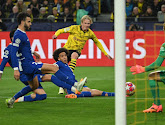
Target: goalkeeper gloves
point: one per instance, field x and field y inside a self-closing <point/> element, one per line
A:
<point x="137" y="69"/>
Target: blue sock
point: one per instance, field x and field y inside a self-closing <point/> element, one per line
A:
<point x="23" y="92"/>
<point x="60" y="75"/>
<point x="60" y="83"/>
<point x="84" y="94"/>
<point x="109" y="93"/>
<point x="38" y="97"/>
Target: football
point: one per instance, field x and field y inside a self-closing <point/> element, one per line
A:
<point x="130" y="88"/>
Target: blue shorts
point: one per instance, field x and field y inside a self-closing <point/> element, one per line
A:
<point x="30" y="69"/>
<point x="24" y="79"/>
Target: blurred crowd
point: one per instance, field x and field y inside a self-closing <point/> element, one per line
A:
<point x="53" y="10"/>
<point x="144" y="10"/>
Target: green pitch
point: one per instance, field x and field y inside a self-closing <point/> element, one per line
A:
<point x="56" y="110"/>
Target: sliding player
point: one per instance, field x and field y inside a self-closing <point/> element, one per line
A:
<point x="23" y="62"/>
<point x="60" y="55"/>
<point x="154" y="78"/>
<point x="78" y="35"/>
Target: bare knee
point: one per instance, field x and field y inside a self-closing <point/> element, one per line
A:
<point x="55" y="68"/>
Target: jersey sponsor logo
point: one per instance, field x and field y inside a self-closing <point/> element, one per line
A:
<point x="66" y="29"/>
<point x="162" y="48"/>
<point x="17" y="42"/>
<point x="6" y="53"/>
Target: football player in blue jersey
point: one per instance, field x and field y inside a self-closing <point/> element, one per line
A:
<point x="23" y="62"/>
<point x="61" y="57"/>
<point x="39" y="93"/>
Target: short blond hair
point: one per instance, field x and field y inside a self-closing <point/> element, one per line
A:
<point x="86" y="17"/>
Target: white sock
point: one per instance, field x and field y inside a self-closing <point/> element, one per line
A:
<point x="75" y="84"/>
<point x="21" y="99"/>
<point x="73" y="89"/>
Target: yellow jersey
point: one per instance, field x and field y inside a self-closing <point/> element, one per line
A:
<point x="77" y="38"/>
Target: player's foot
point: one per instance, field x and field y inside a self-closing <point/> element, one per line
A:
<point x="77" y="92"/>
<point x="10" y="102"/>
<point x="81" y="84"/>
<point x="72" y="96"/>
<point x="61" y="90"/>
<point x="154" y="108"/>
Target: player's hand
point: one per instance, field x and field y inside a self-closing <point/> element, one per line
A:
<point x="54" y="37"/>
<point x="109" y="57"/>
<point x="16" y="75"/>
<point x="137" y="69"/>
<point x="37" y="57"/>
<point x="0" y="75"/>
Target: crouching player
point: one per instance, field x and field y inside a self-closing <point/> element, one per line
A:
<point x="60" y="56"/>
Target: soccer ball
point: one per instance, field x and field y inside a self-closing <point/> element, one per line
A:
<point x="130" y="88"/>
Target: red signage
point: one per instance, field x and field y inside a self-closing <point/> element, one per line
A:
<point x="142" y="47"/>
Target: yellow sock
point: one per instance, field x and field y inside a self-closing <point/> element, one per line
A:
<point x="72" y="64"/>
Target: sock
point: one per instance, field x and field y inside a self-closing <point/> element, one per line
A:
<point x="72" y="64"/>
<point x="60" y="83"/>
<point x="23" y="92"/>
<point x="60" y="75"/>
<point x="108" y="94"/>
<point x="37" y="98"/>
<point x="155" y="91"/>
<point x="84" y="94"/>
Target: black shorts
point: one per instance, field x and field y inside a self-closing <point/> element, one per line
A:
<point x="70" y="53"/>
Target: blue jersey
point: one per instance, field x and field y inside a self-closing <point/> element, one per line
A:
<point x="63" y="67"/>
<point x="6" y="58"/>
<point x="21" y="49"/>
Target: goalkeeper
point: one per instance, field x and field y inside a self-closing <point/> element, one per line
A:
<point x="154" y="78"/>
<point x="78" y="35"/>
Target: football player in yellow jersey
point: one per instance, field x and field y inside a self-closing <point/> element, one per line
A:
<point x="78" y="35"/>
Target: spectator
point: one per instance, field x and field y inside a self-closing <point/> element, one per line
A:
<point x="107" y="6"/>
<point x="7" y="8"/>
<point x="156" y="6"/>
<point x="29" y="11"/>
<point x="47" y="6"/>
<point x="88" y="6"/>
<point x="3" y="26"/>
<point x="71" y="4"/>
<point x="14" y="14"/>
<point x="42" y="14"/>
<point x="135" y="27"/>
<point x="21" y="6"/>
<point x="77" y="7"/>
<point x="129" y="7"/>
<point x="142" y="6"/>
<point x="161" y="14"/>
<point x="148" y="16"/>
<point x="67" y="16"/>
<point x="55" y="17"/>
<point x="2" y="14"/>
<point x="135" y="15"/>
<point x="34" y="6"/>
<point x="60" y="6"/>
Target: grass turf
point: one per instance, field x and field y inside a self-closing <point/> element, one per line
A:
<point x="56" y="110"/>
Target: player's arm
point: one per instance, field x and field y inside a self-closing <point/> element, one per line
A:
<point x="37" y="56"/>
<point x="99" y="45"/>
<point x="156" y="64"/>
<point x="14" y="60"/>
<point x="60" y="31"/>
<point x="4" y="61"/>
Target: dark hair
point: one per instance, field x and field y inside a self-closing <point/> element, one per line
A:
<point x="58" y="51"/>
<point x="22" y="17"/>
<point x="12" y="34"/>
